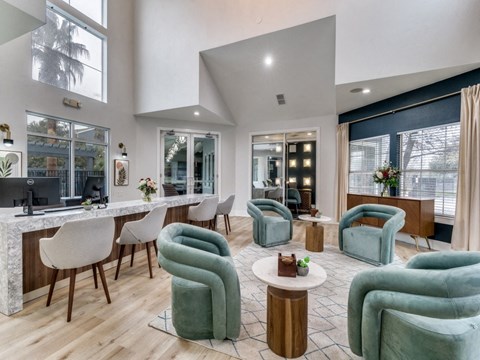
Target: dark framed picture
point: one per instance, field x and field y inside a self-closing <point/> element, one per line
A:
<point x="120" y="172"/>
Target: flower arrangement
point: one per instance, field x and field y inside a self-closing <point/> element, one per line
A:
<point x="387" y="175"/>
<point x="148" y="187"/>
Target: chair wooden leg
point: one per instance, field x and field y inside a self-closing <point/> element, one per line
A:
<point x="73" y="274"/>
<point x="226" y="222"/>
<point x="94" y="269"/>
<point x="156" y="251"/>
<point x="133" y="254"/>
<point x="53" y="280"/>
<point x="120" y="256"/>
<point x="149" y="259"/>
<point x="104" y="281"/>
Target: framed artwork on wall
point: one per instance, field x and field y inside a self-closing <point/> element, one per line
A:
<point x="10" y="163"/>
<point x="120" y="172"/>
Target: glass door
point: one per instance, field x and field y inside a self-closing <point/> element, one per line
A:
<point x="189" y="162"/>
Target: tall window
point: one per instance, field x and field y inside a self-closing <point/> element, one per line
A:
<point x="91" y="8"/>
<point x="365" y="156"/>
<point x="66" y="149"/>
<point x="69" y="55"/>
<point x="429" y="164"/>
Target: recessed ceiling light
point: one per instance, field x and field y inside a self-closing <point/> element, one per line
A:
<point x="268" y="60"/>
<point x="365" y="91"/>
<point x="309" y="134"/>
<point x="266" y="136"/>
<point x="196" y="113"/>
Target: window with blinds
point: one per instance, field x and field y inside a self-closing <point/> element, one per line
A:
<point x="429" y="165"/>
<point x="365" y="156"/>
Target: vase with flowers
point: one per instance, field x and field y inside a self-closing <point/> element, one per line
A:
<point x="148" y="187"/>
<point x="388" y="176"/>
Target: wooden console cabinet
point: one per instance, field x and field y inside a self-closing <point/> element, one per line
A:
<point x="419" y="213"/>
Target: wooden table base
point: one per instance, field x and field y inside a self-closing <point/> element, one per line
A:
<point x="314" y="238"/>
<point x="287" y="322"/>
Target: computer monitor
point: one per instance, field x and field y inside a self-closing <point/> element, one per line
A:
<point x="29" y="191"/>
<point x="94" y="189"/>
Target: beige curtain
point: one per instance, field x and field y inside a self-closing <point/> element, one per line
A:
<point x="466" y="229"/>
<point x="342" y="167"/>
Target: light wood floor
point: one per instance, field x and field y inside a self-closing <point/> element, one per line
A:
<point x="118" y="330"/>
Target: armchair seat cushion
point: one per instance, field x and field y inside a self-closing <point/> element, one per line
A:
<point x="363" y="242"/>
<point x="447" y="338"/>
<point x="189" y="322"/>
<point x="278" y="229"/>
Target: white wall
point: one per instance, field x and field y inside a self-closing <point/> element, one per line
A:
<point x="374" y="38"/>
<point x="19" y="93"/>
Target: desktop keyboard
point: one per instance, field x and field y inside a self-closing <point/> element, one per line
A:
<point x="65" y="208"/>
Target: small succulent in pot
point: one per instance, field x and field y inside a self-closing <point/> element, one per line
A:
<point x="302" y="266"/>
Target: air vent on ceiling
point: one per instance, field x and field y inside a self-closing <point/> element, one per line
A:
<point x="281" y="99"/>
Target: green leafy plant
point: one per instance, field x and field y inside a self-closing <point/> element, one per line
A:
<point x="87" y="202"/>
<point x="5" y="168"/>
<point x="303" y="262"/>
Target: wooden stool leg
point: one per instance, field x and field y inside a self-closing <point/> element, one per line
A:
<point x="226" y="223"/>
<point x="156" y="252"/>
<point x="73" y="274"/>
<point x="104" y="281"/>
<point x="120" y="256"/>
<point x="94" y="270"/>
<point x="53" y="280"/>
<point x="147" y="246"/>
<point x="133" y="254"/>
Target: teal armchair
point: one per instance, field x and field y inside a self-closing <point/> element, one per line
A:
<point x="294" y="198"/>
<point x="270" y="230"/>
<point x="366" y="243"/>
<point x="429" y="310"/>
<point x="205" y="287"/>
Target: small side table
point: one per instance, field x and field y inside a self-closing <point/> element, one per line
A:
<point x="287" y="306"/>
<point x="314" y="233"/>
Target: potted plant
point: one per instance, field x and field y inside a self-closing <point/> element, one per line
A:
<point x="302" y="266"/>
<point x="87" y="204"/>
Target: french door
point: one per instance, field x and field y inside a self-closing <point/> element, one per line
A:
<point x="189" y="161"/>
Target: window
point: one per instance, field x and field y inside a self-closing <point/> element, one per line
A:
<point x="91" y="8"/>
<point x="365" y="156"/>
<point x="68" y="55"/>
<point x="429" y="164"/>
<point x="60" y="148"/>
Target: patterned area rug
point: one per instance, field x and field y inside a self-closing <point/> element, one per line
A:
<point x="327" y="307"/>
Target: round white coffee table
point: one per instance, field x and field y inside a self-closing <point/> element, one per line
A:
<point x="314" y="233"/>
<point x="287" y="306"/>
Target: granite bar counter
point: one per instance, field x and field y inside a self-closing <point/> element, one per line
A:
<point x="19" y="241"/>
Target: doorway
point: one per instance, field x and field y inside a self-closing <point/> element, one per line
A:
<point x="189" y="161"/>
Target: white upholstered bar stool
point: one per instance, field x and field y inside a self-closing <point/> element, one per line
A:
<point x="205" y="211"/>
<point x="144" y="231"/>
<point x="76" y="244"/>
<point x="224" y="208"/>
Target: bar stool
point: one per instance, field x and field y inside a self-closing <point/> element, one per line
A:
<point x="144" y="231"/>
<point x="224" y="208"/>
<point x="76" y="244"/>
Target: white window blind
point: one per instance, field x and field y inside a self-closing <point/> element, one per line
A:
<point x="365" y="156"/>
<point x="429" y="165"/>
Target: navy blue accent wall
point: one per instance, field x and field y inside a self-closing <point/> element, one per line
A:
<point x="438" y="112"/>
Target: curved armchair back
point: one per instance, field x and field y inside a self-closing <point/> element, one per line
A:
<point x="270" y="230"/>
<point x="293" y="196"/>
<point x="432" y="287"/>
<point x="203" y="256"/>
<point x="366" y="243"/>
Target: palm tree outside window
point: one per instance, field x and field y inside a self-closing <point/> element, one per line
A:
<point x="68" y="56"/>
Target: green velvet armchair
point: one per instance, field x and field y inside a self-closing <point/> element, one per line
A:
<point x="428" y="310"/>
<point x="367" y="243"/>
<point x="205" y="287"/>
<point x="270" y="230"/>
<point x="294" y="198"/>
